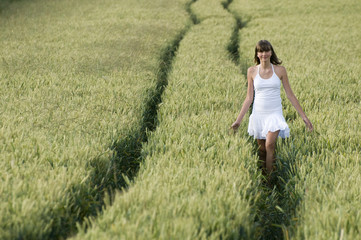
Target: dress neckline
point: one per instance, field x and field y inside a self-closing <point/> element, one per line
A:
<point x="273" y="72"/>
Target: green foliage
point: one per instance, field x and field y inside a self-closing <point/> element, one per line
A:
<point x="82" y="80"/>
<point x="196" y="181"/>
<point x="319" y="171"/>
<point x="77" y="80"/>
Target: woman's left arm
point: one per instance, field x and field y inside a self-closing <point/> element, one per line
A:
<point x="291" y="96"/>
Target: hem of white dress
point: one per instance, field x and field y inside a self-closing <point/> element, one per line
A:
<point x="271" y="123"/>
<point x="284" y="133"/>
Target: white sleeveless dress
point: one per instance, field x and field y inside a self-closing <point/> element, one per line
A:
<point x="267" y="112"/>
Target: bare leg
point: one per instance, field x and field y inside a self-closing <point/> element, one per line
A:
<point x="262" y="154"/>
<point x="270" y="150"/>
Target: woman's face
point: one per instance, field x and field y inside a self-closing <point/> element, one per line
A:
<point x="264" y="56"/>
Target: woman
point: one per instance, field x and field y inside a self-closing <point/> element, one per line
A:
<point x="266" y="123"/>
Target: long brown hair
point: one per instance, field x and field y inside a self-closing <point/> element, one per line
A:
<point x="264" y="46"/>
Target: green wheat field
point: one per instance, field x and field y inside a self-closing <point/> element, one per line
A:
<point x="115" y="116"/>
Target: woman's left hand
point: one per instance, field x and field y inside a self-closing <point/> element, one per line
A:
<point x="308" y="123"/>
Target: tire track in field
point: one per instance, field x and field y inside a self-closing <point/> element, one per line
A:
<point x="192" y="16"/>
<point x="233" y="47"/>
<point x="277" y="207"/>
<point x="128" y="150"/>
<point x="125" y="162"/>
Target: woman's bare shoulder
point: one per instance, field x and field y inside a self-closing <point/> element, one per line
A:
<point x="280" y="71"/>
<point x="252" y="70"/>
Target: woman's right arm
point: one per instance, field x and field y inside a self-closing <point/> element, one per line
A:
<point x="248" y="101"/>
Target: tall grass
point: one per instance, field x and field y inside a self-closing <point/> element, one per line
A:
<point x="318" y="42"/>
<point x="196" y="181"/>
<point x="76" y="77"/>
<point x="79" y="78"/>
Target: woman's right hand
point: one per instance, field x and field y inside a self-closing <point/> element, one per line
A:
<point x="235" y="126"/>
